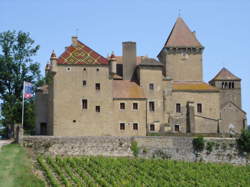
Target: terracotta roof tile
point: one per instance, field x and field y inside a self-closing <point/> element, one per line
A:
<point x="193" y="86"/>
<point x="127" y="90"/>
<point x="181" y="36"/>
<point x="81" y="54"/>
<point x="225" y="74"/>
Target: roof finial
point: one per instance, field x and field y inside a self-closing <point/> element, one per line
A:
<point x="179" y="12"/>
<point x="77" y="32"/>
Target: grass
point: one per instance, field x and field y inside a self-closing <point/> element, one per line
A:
<point x="16" y="168"/>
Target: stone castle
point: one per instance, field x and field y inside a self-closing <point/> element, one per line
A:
<point x="130" y="95"/>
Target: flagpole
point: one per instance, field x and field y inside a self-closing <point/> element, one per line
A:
<point x="23" y="104"/>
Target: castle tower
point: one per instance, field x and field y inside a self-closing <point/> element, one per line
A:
<point x="182" y="54"/>
<point x="230" y="87"/>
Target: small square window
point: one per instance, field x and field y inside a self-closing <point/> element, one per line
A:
<point x="199" y="108"/>
<point x="176" y="128"/>
<point x="84" y="83"/>
<point x="97" y="86"/>
<point x="122" y="106"/>
<point x="97" y="69"/>
<point x="151" y="86"/>
<point x="122" y="126"/>
<point x="84" y="104"/>
<point x="178" y="107"/>
<point x="97" y="108"/>
<point x="84" y="69"/>
<point x="152" y="127"/>
<point x="135" y="106"/>
<point x="135" y="126"/>
<point x="151" y="106"/>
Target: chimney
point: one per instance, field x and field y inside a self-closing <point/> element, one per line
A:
<point x="128" y="59"/>
<point x="74" y="41"/>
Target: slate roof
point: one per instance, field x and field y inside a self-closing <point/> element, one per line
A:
<point x="225" y="74"/>
<point x="125" y="89"/>
<point x="181" y="36"/>
<point x="193" y="86"/>
<point x="81" y="54"/>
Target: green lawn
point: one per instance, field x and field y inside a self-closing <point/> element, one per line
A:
<point x="16" y="168"/>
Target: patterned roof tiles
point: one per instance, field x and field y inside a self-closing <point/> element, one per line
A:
<point x="81" y="54"/>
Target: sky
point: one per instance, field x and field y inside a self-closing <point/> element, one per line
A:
<point x="223" y="28"/>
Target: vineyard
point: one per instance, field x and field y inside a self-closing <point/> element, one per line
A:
<point x="105" y="171"/>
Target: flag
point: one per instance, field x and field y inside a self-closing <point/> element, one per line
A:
<point x="28" y="90"/>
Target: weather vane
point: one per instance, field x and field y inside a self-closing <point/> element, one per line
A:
<point x="179" y="13"/>
<point x="77" y="32"/>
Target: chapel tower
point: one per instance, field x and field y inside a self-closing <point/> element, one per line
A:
<point x="182" y="54"/>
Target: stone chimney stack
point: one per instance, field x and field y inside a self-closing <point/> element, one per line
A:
<point x="112" y="63"/>
<point x="53" y="61"/>
<point x="128" y="59"/>
<point x="74" y="41"/>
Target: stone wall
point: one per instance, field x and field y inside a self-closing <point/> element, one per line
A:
<point x="168" y="147"/>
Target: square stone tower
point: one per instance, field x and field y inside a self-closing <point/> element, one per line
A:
<point x="182" y="54"/>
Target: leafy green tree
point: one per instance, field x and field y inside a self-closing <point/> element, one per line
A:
<point x="244" y="141"/>
<point x="17" y="66"/>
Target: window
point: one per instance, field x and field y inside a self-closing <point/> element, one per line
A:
<point x="74" y="121"/>
<point x="84" y="69"/>
<point x="122" y="106"/>
<point x="151" y="86"/>
<point x="68" y="69"/>
<point x="122" y="126"/>
<point x="97" y="86"/>
<point x="199" y="107"/>
<point x="84" y="104"/>
<point x="232" y="84"/>
<point x="97" y="69"/>
<point x="97" y="108"/>
<point x="135" y="126"/>
<point x="152" y="127"/>
<point x="178" y="107"/>
<point x="151" y="106"/>
<point x="135" y="106"/>
<point x="176" y="128"/>
<point x="84" y="83"/>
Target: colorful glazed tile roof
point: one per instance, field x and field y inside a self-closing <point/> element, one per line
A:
<point x="225" y="74"/>
<point x="124" y="89"/>
<point x="81" y="54"/>
<point x="181" y="36"/>
<point x="193" y="86"/>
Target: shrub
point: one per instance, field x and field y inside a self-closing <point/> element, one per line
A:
<point x="134" y="147"/>
<point x="244" y="141"/>
<point x="198" y="144"/>
<point x="210" y="146"/>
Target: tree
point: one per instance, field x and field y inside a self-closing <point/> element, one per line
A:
<point x="17" y="66"/>
<point x="244" y="141"/>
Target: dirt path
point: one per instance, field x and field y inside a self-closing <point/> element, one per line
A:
<point x="5" y="142"/>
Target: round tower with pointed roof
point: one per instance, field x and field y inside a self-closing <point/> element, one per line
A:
<point x="182" y="54"/>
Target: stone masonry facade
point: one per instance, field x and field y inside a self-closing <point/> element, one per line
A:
<point x="129" y="95"/>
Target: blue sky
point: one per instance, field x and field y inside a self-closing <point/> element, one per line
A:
<point x="223" y="27"/>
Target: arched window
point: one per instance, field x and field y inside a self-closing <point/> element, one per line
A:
<point x="232" y="84"/>
<point x="225" y="85"/>
<point x="229" y="85"/>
